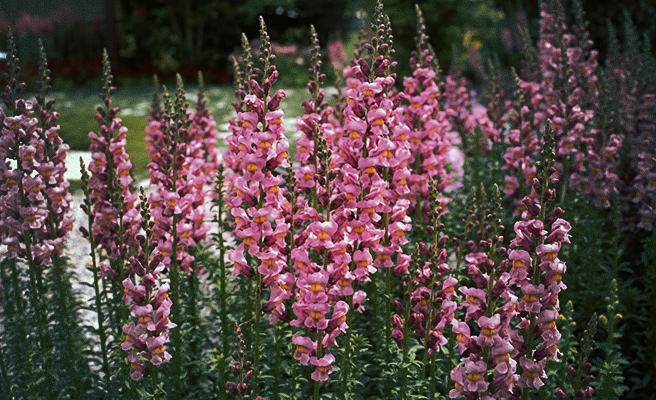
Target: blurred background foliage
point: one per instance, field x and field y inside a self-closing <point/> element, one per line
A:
<point x="164" y="36"/>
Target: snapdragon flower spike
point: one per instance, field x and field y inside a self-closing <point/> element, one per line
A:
<point x="638" y="123"/>
<point x="155" y="142"/>
<point x="431" y="288"/>
<point x="490" y="366"/>
<point x="538" y="271"/>
<point x="317" y="115"/>
<point x="431" y="141"/>
<point x="321" y="261"/>
<point x="256" y="148"/>
<point x="240" y="369"/>
<point x="175" y="201"/>
<point x="114" y="206"/>
<point x="52" y="169"/>
<point x="200" y="163"/>
<point x="468" y="117"/>
<point x="373" y="153"/>
<point x="568" y="89"/>
<point x="146" y="294"/>
<point x="34" y="196"/>
<point x="596" y="173"/>
<point x="323" y="289"/>
<point x="522" y="143"/>
<point x="321" y="254"/>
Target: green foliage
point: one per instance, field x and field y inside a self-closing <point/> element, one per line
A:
<point x="609" y="384"/>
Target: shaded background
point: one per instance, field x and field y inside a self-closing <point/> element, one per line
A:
<point x="162" y="36"/>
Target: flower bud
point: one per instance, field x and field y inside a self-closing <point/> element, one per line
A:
<point x="248" y="376"/>
<point x="230" y="387"/>
<point x="242" y="387"/>
<point x="560" y="395"/>
<point x="397" y="336"/>
<point x="398" y="306"/>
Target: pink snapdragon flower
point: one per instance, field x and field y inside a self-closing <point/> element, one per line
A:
<point x="32" y="157"/>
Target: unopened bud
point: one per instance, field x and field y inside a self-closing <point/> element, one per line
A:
<point x="248" y="376"/>
<point x="230" y="387"/>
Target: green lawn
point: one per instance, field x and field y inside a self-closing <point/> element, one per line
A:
<point x="78" y="108"/>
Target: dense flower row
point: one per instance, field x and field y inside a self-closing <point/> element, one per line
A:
<point x="311" y="233"/>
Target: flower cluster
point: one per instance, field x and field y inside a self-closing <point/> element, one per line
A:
<point x="634" y="74"/>
<point x="34" y="196"/>
<point x="430" y="137"/>
<point x="256" y="147"/>
<point x="467" y="116"/>
<point x="241" y="369"/>
<point x="176" y="196"/>
<point x="491" y="303"/>
<point x="518" y="294"/>
<point x="374" y="152"/>
<point x="429" y="290"/>
<point x="320" y="254"/>
<point x="146" y="293"/>
<point x="566" y="93"/>
<point x="114" y="206"/>
<point x="202" y="160"/>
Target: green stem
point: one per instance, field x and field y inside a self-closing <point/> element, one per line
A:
<point x="5" y="380"/>
<point x="450" y="359"/>
<point x="294" y="375"/>
<point x="153" y="374"/>
<point x="20" y="320"/>
<point x="72" y="357"/>
<point x="118" y="308"/>
<point x="256" y="346"/>
<point x="194" y="319"/>
<point x="223" y="308"/>
<point x="175" y="311"/>
<point x="36" y="293"/>
<point x="406" y="351"/>
<point x="278" y="361"/>
<point x="388" y="325"/>
<point x="346" y="360"/>
<point x="319" y="355"/>
<point x="99" y="310"/>
<point x="424" y="363"/>
<point x="432" y="377"/>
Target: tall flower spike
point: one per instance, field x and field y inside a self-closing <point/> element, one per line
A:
<point x="255" y="198"/>
<point x="491" y="303"/>
<point x="146" y="293"/>
<point x="175" y="201"/>
<point x="14" y="85"/>
<point x="430" y="142"/>
<point x="200" y="162"/>
<point x="116" y="219"/>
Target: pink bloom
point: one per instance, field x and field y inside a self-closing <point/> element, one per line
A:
<point x="489" y="331"/>
<point x="157" y="350"/>
<point x="521" y="264"/>
<point x="305" y="347"/>
<point x="532" y="372"/>
<point x="324" y="367"/>
<point x="531" y="300"/>
<point x="317" y="317"/>
<point x="475" y="379"/>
